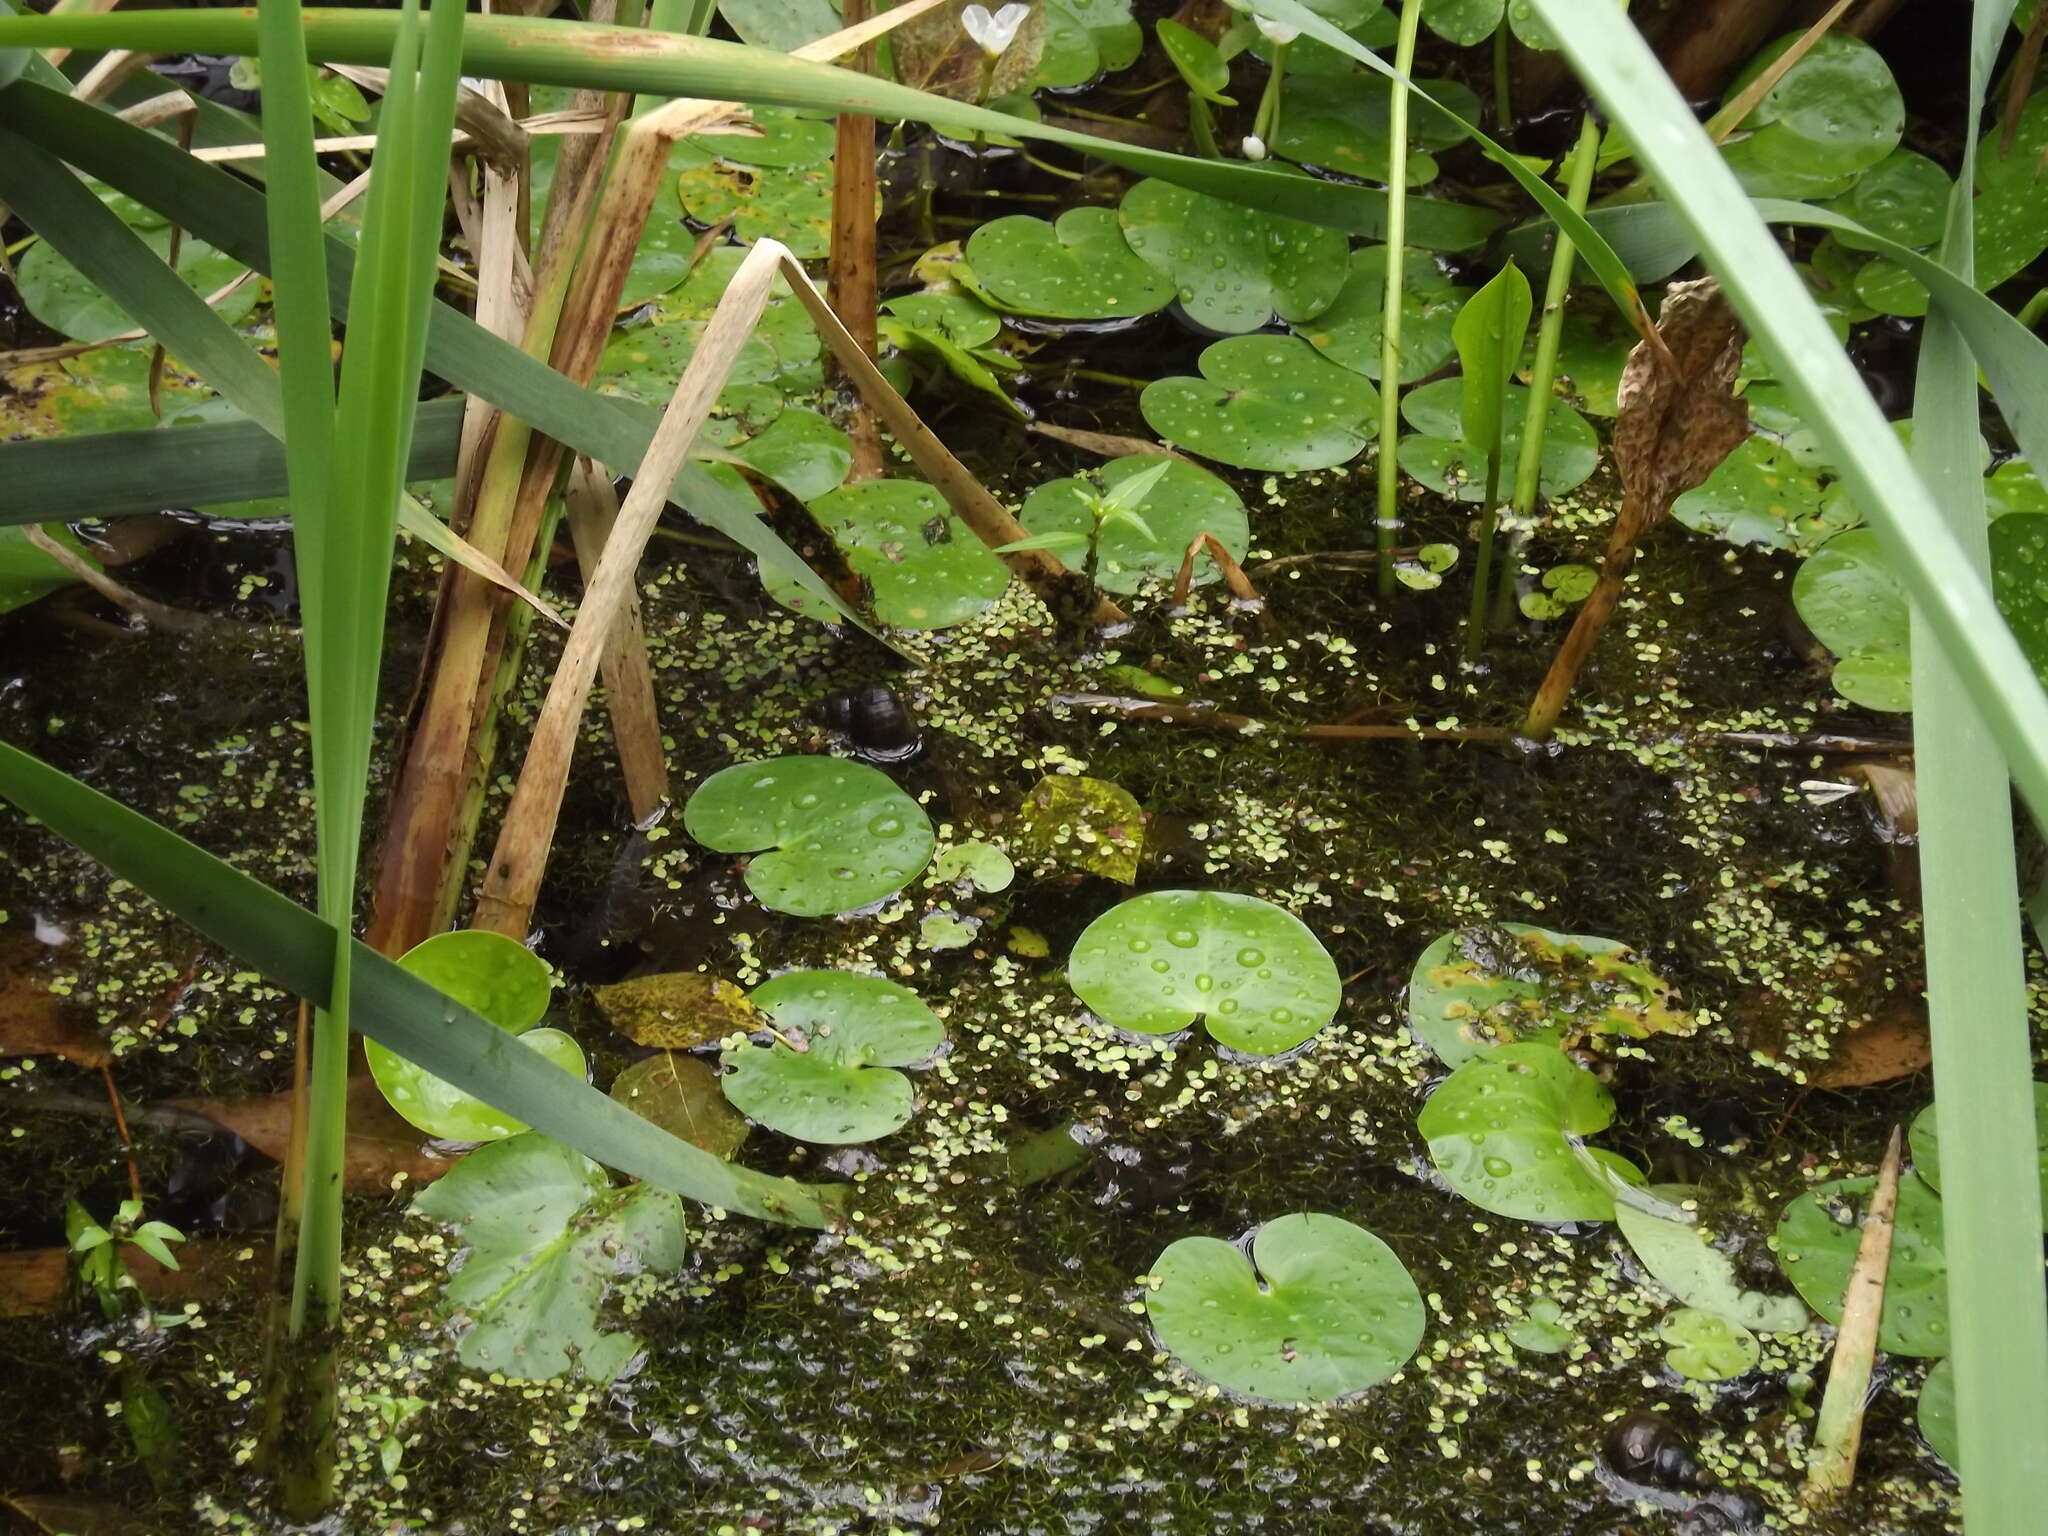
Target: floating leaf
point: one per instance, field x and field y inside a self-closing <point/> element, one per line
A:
<point x="1081" y="823"/>
<point x="1265" y="402"/>
<point x="1200" y="63"/>
<point x="1320" y="1310"/>
<point x="959" y="317"/>
<point x="1503" y="1131"/>
<point x="1253" y="973"/>
<point x="837" y="835"/>
<point x="1904" y="197"/>
<point x="676" y="1010"/>
<point x="777" y="186"/>
<point x="1592" y="352"/>
<point x="935" y="52"/>
<point x="681" y="1095"/>
<point x="1233" y="268"/>
<point x="643" y="360"/>
<point x="1686" y="1263"/>
<point x="1437" y="454"/>
<point x="1350" y="329"/>
<point x="925" y="567"/>
<point x="508" y="984"/>
<point x="1562" y="587"/>
<point x="1186" y="502"/>
<point x="1484" y="986"/>
<point x="1086" y="38"/>
<point x="1761" y="494"/>
<point x="1464" y="22"/>
<point x="1924" y="1140"/>
<point x="1847" y="595"/>
<point x="841" y="1086"/>
<point x="800" y="451"/>
<point x="2019" y="581"/>
<point x="66" y="300"/>
<point x="546" y="1236"/>
<point x="947" y="929"/>
<point x="1541" y="1332"/>
<point x="1704" y="1347"/>
<point x="1339" y="122"/>
<point x="104" y="390"/>
<point x="1425" y="572"/>
<point x="982" y="865"/>
<point x="1817" y="1241"/>
<point x="783" y="25"/>
<point x="1937" y="1415"/>
<point x="1833" y="115"/>
<point x="1079" y="268"/>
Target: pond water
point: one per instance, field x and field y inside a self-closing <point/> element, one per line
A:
<point x="970" y="1352"/>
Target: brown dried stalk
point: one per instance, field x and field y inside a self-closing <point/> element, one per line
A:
<point x="593" y="510"/>
<point x="1674" y="423"/>
<point x="1233" y="574"/>
<point x="851" y="286"/>
<point x="1839" y="1432"/>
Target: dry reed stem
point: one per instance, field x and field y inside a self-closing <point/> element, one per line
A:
<point x="627" y="675"/>
<point x="129" y="601"/>
<point x="1106" y="445"/>
<point x="512" y="881"/>
<point x="1839" y="1432"/>
<point x="852" y="285"/>
<point x="1233" y="574"/>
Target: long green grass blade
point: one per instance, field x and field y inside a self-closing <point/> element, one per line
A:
<point x="622" y="59"/>
<point x="291" y="946"/>
<point x="1387" y="503"/>
<point x="1976" y="968"/>
<point x="105" y="474"/>
<point x="1618" y="66"/>
<point x="228" y="214"/>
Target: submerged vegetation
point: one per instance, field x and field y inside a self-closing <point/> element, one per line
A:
<point x="1133" y="693"/>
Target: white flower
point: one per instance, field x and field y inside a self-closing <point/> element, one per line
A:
<point x="1253" y="146"/>
<point x="994" y="34"/>
<point x="1277" y="33"/>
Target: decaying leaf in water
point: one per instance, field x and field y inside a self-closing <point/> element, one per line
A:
<point x="1090" y="825"/>
<point x="677" y="1010"/>
<point x="934" y="53"/>
<point x="1891" y="1046"/>
<point x="1674" y="424"/>
<point x="33" y="1020"/>
<point x="681" y="1095"/>
<point x="381" y="1146"/>
<point x="36" y="1282"/>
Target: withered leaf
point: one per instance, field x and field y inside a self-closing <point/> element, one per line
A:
<point x="33" y="1020"/>
<point x="380" y="1144"/>
<point x="1676" y="420"/>
<point x="677" y="1010"/>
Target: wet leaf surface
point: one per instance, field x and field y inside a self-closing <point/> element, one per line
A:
<point x="1350" y="329"/>
<point x="1076" y="268"/>
<point x="676" y="1010"/>
<point x="842" y="1085"/>
<point x="1924" y="1139"/>
<point x="1233" y="268"/>
<point x="1265" y="402"/>
<point x="1708" y="1347"/>
<point x="1187" y="502"/>
<point x="1683" y="1257"/>
<point x="924" y="566"/>
<point x="681" y="1095"/>
<point x="1817" y="1241"/>
<point x="1090" y="825"/>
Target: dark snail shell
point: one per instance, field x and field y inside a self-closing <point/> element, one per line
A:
<point x="878" y="723"/>
<point x="1645" y="1448"/>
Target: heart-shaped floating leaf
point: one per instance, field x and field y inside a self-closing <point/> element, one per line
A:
<point x="960" y="318"/>
<point x="983" y="866"/>
<point x="837" y="835"/>
<point x="1349" y="331"/>
<point x="1818" y="1237"/>
<point x="1924" y="1139"/>
<point x="1687" y="1264"/>
<point x="505" y="982"/>
<point x="841" y="1086"/>
<point x="681" y="1095"/>
<point x="1339" y="122"/>
<point x="1833" y="115"/>
<point x="1265" y="402"/>
<point x="1255" y="975"/>
<point x="1761" y="494"/>
<point x="1464" y="22"/>
<point x="925" y="567"/>
<point x="1937" y="1415"/>
<point x="800" y="451"/>
<point x="676" y="1010"/>
<point x="1705" y="1347"/>
<point x="791" y="205"/>
<point x="1491" y="984"/>
<point x="66" y="300"/>
<point x="1503" y="1131"/>
<point x="1847" y="595"/>
<point x="1233" y="268"/>
<point x="1186" y="502"/>
<point x="1321" y="1309"/>
<point x="1079" y="268"/>
<point x="1085" y="38"/>
<point x="546" y="1235"/>
<point x="1081" y="823"/>
<point x="1437" y="454"/>
<point x="1542" y="1332"/>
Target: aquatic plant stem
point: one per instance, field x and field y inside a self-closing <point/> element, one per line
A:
<point x="1543" y="370"/>
<point x="1266" y="121"/>
<point x="851" y="285"/>
<point x="1388" y="521"/>
<point x="1839" y="1430"/>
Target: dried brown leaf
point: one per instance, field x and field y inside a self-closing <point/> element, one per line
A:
<point x="1674" y="422"/>
<point x="381" y="1145"/>
<point x="34" y="1021"/>
<point x="934" y="53"/>
<point x="1891" y="1046"/>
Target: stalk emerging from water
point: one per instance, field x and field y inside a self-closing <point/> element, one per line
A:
<point x="1389" y="518"/>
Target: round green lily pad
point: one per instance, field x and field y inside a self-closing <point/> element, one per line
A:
<point x="960" y="318"/>
<point x="1233" y="268"/>
<point x="66" y="300"/>
<point x="1760" y="494"/>
<point x="842" y="1086"/>
<point x="1085" y="38"/>
<point x="800" y="451"/>
<point x="1483" y="986"/>
<point x="2019" y="580"/>
<point x="681" y="1095"/>
<point x="1187" y="501"/>
<point x="925" y="567"/>
<point x="1817" y="1241"/>
<point x="1265" y="402"/>
<point x="1079" y="268"/>
<point x="1350" y="330"/>
<point x="498" y="978"/>
<point x="1688" y="1265"/>
<point x="1923" y="1138"/>
<point x="1542" y="1332"/>
<point x="1833" y="115"/>
<point x="1502" y="1131"/>
<point x="1252" y="972"/>
<point x="1464" y="22"/>
<point x="1704" y="1347"/>
<point x="1847" y="595"/>
<point x="1321" y="1309"/>
<point x="1339" y="121"/>
<point x="1937" y="1416"/>
<point x="837" y="835"/>
<point x="982" y="865"/>
<point x="1436" y="454"/>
